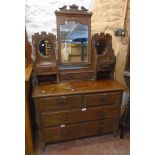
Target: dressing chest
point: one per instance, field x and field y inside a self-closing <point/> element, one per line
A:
<point x="75" y="95"/>
<point x="73" y="110"/>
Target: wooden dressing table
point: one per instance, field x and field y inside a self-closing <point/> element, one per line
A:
<point x="78" y="109"/>
<point x="79" y="96"/>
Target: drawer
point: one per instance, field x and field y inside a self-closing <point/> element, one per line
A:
<point x="79" y="115"/>
<point x="45" y="69"/>
<point x="76" y="76"/>
<point x="103" y="99"/>
<point x="74" y="131"/>
<point x="62" y="102"/>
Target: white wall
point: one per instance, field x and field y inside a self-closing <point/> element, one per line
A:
<point x="40" y="16"/>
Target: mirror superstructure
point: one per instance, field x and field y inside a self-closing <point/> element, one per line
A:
<point x="74" y="36"/>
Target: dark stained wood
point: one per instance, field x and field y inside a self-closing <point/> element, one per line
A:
<point x="61" y="102"/>
<point x="78" y="106"/>
<point x="45" y="65"/>
<point x="111" y="98"/>
<point x="103" y="63"/>
<point x="79" y="101"/>
<point x="77" y="87"/>
<point x="51" y="38"/>
<point x="76" y="131"/>
<point x="73" y="9"/>
<point x="84" y="17"/>
<point x="75" y="76"/>
<point x="74" y="105"/>
<point x="57" y="118"/>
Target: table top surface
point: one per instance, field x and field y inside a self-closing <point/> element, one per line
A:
<point x="77" y="87"/>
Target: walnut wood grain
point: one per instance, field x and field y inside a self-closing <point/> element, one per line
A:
<point x="60" y="103"/>
<point x="77" y="87"/>
<point x="112" y="98"/>
<point x="103" y="62"/>
<point x="79" y="115"/>
<point x="45" y="65"/>
<point x="64" y="108"/>
<point x="76" y="131"/>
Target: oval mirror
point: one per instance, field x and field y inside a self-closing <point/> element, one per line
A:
<point x="44" y="48"/>
<point x="100" y="46"/>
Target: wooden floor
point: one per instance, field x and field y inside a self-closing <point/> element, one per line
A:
<point x="100" y="145"/>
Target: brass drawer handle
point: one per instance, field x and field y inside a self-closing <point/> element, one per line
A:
<point x="62" y="100"/>
<point x="82" y="105"/>
<point x="63" y="118"/>
<point x="101" y="114"/>
<point x="63" y="97"/>
<point x="104" y="98"/>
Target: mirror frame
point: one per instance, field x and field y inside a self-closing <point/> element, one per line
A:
<point x="36" y="38"/>
<point x="73" y="14"/>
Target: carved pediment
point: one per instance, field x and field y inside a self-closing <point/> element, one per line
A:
<point x="73" y="9"/>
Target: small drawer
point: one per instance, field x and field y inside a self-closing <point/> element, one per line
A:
<point x="79" y="115"/>
<point x="76" y="76"/>
<point x="63" y="102"/>
<point x="75" y="131"/>
<point x="111" y="98"/>
<point x="45" y="69"/>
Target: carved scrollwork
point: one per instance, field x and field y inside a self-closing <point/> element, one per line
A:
<point x="73" y="8"/>
<point x="83" y="8"/>
<point x="63" y="8"/>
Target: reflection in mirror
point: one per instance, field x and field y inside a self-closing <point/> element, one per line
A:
<point x="44" y="48"/>
<point x="100" y="46"/>
<point x="74" y="42"/>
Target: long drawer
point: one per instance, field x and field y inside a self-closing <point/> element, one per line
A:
<point x="61" y="102"/>
<point x="103" y="98"/>
<point x="75" y="131"/>
<point x="78" y="101"/>
<point x="79" y="115"/>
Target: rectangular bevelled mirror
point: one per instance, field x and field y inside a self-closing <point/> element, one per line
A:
<point x="74" y="36"/>
<point x="74" y="42"/>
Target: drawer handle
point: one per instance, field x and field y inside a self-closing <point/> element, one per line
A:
<point x="104" y="98"/>
<point x="101" y="114"/>
<point x="61" y="103"/>
<point x="63" y="118"/>
<point x="62" y="100"/>
<point x="82" y="105"/>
